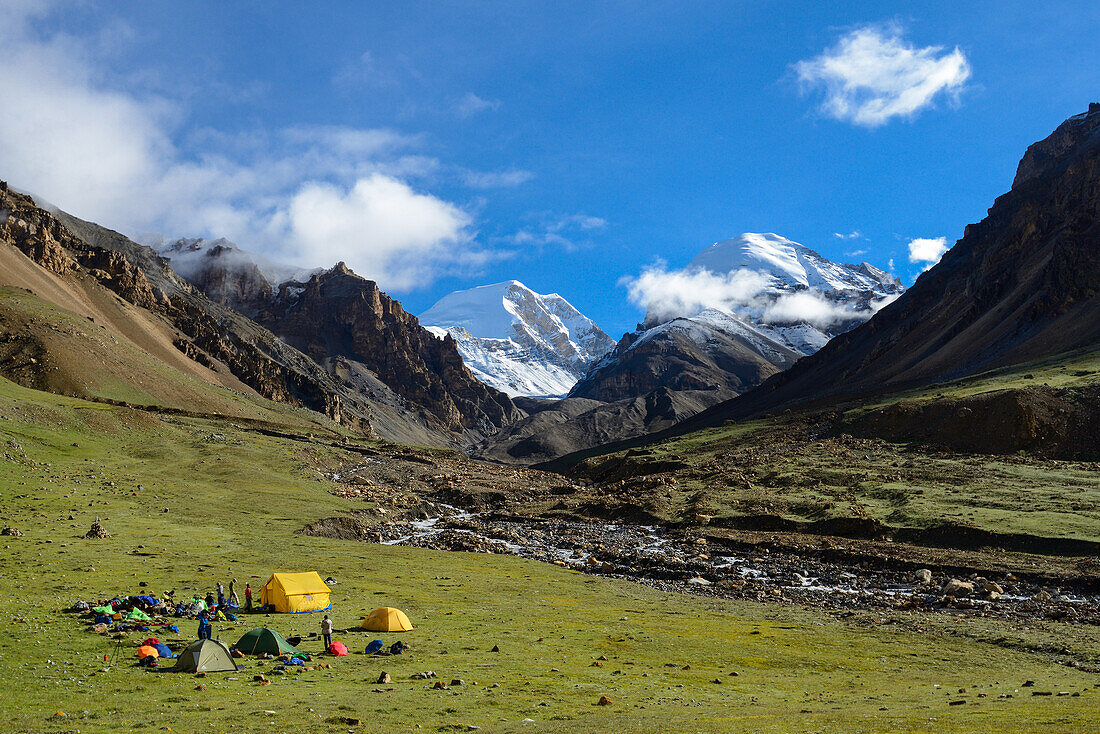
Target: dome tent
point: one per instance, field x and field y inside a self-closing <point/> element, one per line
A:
<point x="205" y="656"/>
<point x="386" y="619"/>
<point x="265" y="640"/>
<point x="294" y="593"/>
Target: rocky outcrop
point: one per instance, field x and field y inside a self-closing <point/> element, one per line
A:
<point x="339" y="315"/>
<point x="227" y="279"/>
<point x="674" y="356"/>
<point x="1058" y="423"/>
<point x="42" y="238"/>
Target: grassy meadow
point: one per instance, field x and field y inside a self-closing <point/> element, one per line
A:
<point x="218" y="501"/>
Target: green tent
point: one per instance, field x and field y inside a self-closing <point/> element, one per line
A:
<point x="265" y="640"/>
<point x="205" y="656"/>
<point x="136" y="615"/>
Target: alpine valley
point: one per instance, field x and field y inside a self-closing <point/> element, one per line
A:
<point x="807" y="497"/>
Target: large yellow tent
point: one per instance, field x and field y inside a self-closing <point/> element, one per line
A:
<point x="295" y="592"/>
<point x="387" y="619"/>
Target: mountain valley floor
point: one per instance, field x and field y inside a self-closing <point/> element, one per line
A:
<point x="190" y="501"/>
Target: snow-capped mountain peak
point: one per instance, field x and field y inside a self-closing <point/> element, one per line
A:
<point x="790" y="264"/>
<point x="517" y="340"/>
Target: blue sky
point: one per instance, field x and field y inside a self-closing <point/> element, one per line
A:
<point x="437" y="146"/>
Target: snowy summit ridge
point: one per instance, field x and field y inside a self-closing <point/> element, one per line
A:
<point x="804" y="299"/>
<point x="519" y="341"/>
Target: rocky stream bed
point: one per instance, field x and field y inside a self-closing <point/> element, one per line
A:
<point x="670" y="561"/>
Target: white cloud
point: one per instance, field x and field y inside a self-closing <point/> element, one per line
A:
<point x="811" y="307"/>
<point x="471" y="104"/>
<point x="561" y="230"/>
<point x="853" y="235"/>
<point x="927" y="250"/>
<point x="311" y="194"/>
<point x="666" y="294"/>
<point x="873" y="75"/>
<point x="378" y="226"/>
<point x="495" y="179"/>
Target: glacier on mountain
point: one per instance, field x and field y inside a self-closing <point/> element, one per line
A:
<point x="518" y="341"/>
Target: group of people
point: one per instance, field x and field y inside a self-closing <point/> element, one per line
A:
<point x="221" y="603"/>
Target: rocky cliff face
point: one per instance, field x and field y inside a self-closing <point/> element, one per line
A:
<point x="221" y="271"/>
<point x="339" y="315"/>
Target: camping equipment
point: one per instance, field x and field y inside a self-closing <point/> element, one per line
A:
<point x="398" y="648"/>
<point x="205" y="656"/>
<point x="164" y="650"/>
<point x="266" y="640"/>
<point x="151" y="641"/>
<point x="338" y="649"/>
<point x="386" y="619"/>
<point x="374" y="647"/>
<point x="147" y="651"/>
<point x="294" y="593"/>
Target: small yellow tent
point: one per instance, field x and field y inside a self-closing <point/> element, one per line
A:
<point x="386" y="619"/>
<point x="291" y="593"/>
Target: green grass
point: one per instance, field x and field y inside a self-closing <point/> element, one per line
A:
<point x="235" y="499"/>
<point x="777" y="466"/>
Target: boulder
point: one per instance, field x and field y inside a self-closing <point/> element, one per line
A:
<point x="957" y="588"/>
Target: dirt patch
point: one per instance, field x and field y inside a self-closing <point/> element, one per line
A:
<point x="1063" y="424"/>
<point x="342" y="528"/>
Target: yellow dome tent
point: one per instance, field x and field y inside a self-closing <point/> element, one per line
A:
<point x="386" y="619"/>
<point x="293" y="593"/>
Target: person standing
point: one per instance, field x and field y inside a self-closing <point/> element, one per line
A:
<point x="206" y="631"/>
<point x="326" y="631"/>
<point x="233" y="599"/>
<point x="248" y="597"/>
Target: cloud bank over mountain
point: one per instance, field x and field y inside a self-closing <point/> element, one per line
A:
<point x="307" y="194"/>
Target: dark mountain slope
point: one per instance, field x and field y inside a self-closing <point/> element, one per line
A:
<point x="674" y="356"/>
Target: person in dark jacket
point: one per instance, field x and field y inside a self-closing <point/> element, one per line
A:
<point x="206" y="630"/>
